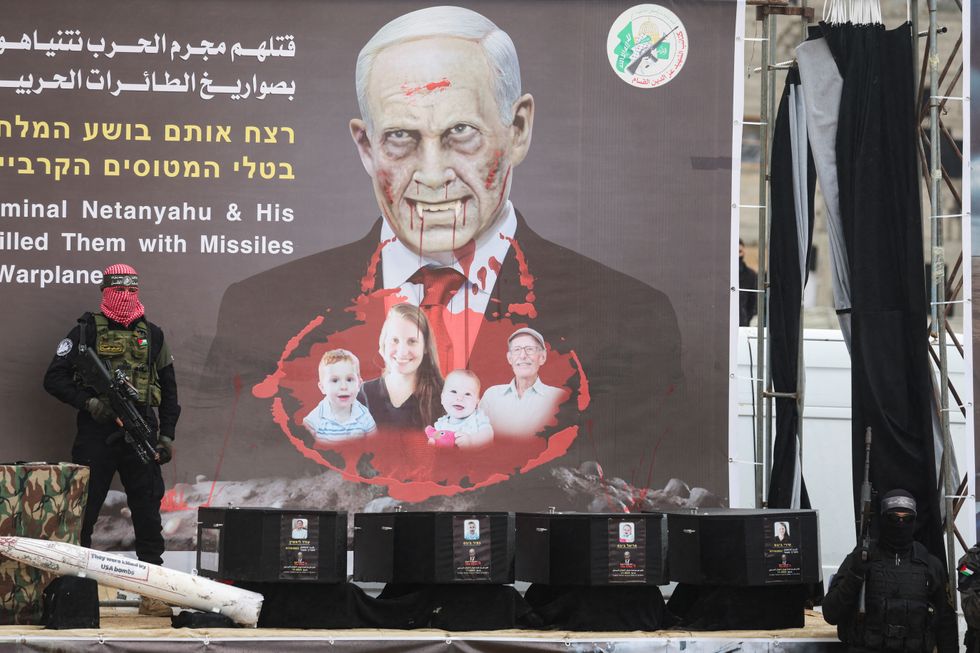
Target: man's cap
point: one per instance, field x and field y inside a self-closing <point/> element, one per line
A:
<point x="119" y="274"/>
<point x="527" y="331"/>
<point x="898" y="500"/>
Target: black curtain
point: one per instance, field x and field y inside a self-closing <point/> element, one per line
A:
<point x="786" y="292"/>
<point x="882" y="223"/>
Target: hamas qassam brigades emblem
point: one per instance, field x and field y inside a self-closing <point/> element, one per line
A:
<point x="647" y="46"/>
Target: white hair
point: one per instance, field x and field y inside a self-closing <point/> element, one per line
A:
<point x="452" y="22"/>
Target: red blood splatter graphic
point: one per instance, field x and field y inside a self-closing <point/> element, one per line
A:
<point x="173" y="500"/>
<point x="384" y="180"/>
<point x="367" y="281"/>
<point x="268" y="387"/>
<point x="402" y="460"/>
<point x="481" y="274"/>
<point x="523" y="309"/>
<point x="527" y="279"/>
<point x="442" y="84"/>
<point x="583" y="388"/>
<point x="464" y="255"/>
<point x="494" y="264"/>
<point x="494" y="169"/>
<point x="558" y="445"/>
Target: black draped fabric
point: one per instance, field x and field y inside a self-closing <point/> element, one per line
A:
<point x="882" y="223"/>
<point x="599" y="608"/>
<point x="345" y="605"/>
<point x="719" y="607"/>
<point x="785" y="295"/>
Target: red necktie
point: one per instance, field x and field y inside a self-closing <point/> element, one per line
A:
<point x="440" y="285"/>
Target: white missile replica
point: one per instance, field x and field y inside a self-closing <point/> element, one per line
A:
<point x="154" y="581"/>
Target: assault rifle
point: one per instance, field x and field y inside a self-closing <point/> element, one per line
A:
<point x="122" y="398"/>
<point x="865" y="512"/>
<point x="649" y="51"/>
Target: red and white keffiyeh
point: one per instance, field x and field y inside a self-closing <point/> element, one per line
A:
<point x="120" y="294"/>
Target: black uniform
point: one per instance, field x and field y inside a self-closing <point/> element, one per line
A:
<point x="143" y="482"/>
<point x="969" y="587"/>
<point x="906" y="607"/>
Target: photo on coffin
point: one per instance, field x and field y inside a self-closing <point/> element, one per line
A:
<point x="300" y="529"/>
<point x="471" y="548"/>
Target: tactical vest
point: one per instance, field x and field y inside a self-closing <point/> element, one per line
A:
<point x="969" y="587"/>
<point x="968" y="584"/>
<point x="898" y="613"/>
<point x="129" y="350"/>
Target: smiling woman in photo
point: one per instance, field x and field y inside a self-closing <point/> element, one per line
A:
<point x="406" y="395"/>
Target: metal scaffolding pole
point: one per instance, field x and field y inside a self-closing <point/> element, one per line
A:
<point x="763" y="421"/>
<point x="938" y="311"/>
<point x="764" y="394"/>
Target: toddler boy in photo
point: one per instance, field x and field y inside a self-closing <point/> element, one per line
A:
<point x="339" y="416"/>
<point x="464" y="425"/>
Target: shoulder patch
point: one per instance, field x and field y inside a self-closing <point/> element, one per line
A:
<point x="64" y="347"/>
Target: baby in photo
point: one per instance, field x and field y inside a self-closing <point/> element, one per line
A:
<point x="464" y="425"/>
<point x="339" y="416"/>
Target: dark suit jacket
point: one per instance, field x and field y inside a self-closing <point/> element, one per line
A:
<point x="623" y="332"/>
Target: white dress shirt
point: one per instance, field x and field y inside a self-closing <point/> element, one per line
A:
<point x="398" y="263"/>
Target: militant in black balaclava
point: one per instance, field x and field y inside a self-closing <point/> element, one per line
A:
<point x="897" y="521"/>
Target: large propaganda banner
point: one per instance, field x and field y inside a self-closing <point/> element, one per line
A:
<point x="466" y="257"/>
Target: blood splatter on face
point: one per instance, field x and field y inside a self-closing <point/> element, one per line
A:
<point x="494" y="168"/>
<point x="426" y="88"/>
<point x="437" y="150"/>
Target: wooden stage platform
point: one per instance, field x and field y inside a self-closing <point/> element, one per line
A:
<point x="123" y="629"/>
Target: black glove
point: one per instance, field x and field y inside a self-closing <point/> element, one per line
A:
<point x="165" y="449"/>
<point x="860" y="561"/>
<point x="99" y="410"/>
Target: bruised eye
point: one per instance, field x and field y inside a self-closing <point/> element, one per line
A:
<point x="461" y="132"/>
<point x="398" y="142"/>
<point x="463" y="138"/>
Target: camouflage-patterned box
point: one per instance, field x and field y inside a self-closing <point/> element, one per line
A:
<point x="44" y="501"/>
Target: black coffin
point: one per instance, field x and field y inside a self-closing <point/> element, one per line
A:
<point x="592" y="549"/>
<point x="738" y="547"/>
<point x="269" y="545"/>
<point x="434" y="547"/>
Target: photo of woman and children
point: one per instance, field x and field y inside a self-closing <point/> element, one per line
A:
<point x="412" y="397"/>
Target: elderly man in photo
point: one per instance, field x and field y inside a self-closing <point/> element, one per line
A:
<point x="527" y="404"/>
<point x="443" y="125"/>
